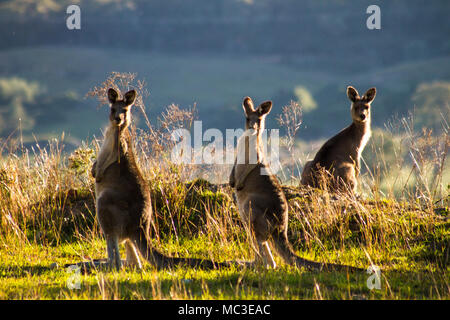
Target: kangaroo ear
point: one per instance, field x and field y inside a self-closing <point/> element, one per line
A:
<point x="264" y="108"/>
<point x="248" y="106"/>
<point x="352" y="94"/>
<point x="130" y="97"/>
<point x="370" y="95"/>
<point x="112" y="95"/>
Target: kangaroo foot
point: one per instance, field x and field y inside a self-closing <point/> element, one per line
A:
<point x="255" y="264"/>
<point x="96" y="265"/>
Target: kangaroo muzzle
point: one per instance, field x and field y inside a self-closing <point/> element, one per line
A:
<point x="119" y="119"/>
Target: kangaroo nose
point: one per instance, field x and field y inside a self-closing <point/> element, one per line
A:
<point x="363" y="116"/>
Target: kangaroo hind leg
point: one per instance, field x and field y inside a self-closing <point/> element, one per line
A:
<point x="266" y="254"/>
<point x="132" y="255"/>
<point x="112" y="247"/>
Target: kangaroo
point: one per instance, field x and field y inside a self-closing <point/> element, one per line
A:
<point x="123" y="203"/>
<point x="262" y="204"/>
<point x="341" y="154"/>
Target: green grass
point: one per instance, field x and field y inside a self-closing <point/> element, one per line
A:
<point x="26" y="273"/>
<point x="47" y="220"/>
<point x="409" y="244"/>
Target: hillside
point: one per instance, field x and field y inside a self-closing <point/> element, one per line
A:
<point x="64" y="76"/>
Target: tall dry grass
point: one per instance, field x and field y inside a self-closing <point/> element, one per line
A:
<point x="47" y="196"/>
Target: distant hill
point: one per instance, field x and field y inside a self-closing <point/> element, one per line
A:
<point x="215" y="83"/>
<point x="333" y="30"/>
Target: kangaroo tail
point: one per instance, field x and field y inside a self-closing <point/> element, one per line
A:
<point x="285" y="250"/>
<point x="162" y="261"/>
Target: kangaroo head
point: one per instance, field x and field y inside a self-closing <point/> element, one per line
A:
<point x="254" y="119"/>
<point x="360" y="108"/>
<point x="120" y="114"/>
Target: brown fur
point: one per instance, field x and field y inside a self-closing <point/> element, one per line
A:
<point x="123" y="203"/>
<point x="340" y="155"/>
<point x="262" y="204"/>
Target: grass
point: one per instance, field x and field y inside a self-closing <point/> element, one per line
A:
<point x="26" y="272"/>
<point x="48" y="220"/>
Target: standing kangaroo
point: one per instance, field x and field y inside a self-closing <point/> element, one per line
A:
<point x="123" y="203"/>
<point x="340" y="155"/>
<point x="262" y="205"/>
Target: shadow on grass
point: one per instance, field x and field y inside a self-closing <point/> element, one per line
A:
<point x="251" y="283"/>
<point x="23" y="271"/>
<point x="223" y="284"/>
